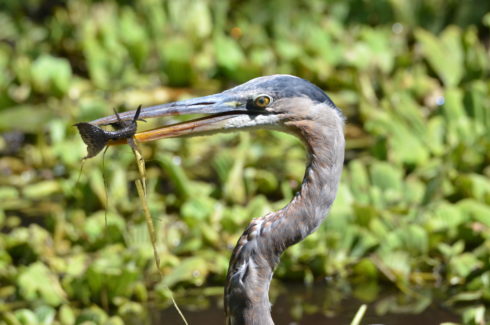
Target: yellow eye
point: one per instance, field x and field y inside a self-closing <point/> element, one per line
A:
<point x="262" y="101"/>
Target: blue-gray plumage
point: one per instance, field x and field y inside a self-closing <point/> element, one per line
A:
<point x="279" y="102"/>
<point x="285" y="86"/>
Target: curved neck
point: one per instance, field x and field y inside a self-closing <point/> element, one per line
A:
<point x="258" y="250"/>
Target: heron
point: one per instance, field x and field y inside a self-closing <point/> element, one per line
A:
<point x="278" y="102"/>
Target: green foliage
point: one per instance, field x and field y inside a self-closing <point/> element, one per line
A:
<point x="413" y="208"/>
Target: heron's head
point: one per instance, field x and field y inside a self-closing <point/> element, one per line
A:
<point x="275" y="102"/>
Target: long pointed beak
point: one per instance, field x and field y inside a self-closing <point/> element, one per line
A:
<point x="212" y="104"/>
<point x="225" y="112"/>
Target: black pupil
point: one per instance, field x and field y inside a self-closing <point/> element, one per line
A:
<point x="261" y="101"/>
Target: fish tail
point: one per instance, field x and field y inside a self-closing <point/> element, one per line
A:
<point x="94" y="137"/>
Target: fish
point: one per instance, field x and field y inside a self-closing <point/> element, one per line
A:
<point x="97" y="138"/>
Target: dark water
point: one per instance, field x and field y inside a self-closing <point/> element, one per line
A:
<point x="296" y="304"/>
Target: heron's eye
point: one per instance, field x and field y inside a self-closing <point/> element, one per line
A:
<point x="262" y="101"/>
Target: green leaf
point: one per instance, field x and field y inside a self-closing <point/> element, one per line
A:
<point x="446" y="217"/>
<point x="191" y="270"/>
<point x="51" y="75"/>
<point x="387" y="178"/>
<point x="359" y="181"/>
<point x="197" y="210"/>
<point x="475" y="210"/>
<point x="40" y="190"/>
<point x="66" y="315"/>
<point x="228" y="53"/>
<point x="462" y="265"/>
<point x="459" y="126"/>
<point x="38" y="282"/>
<point x="133" y="35"/>
<point x="444" y="53"/>
<point x="474" y="315"/>
<point x="413" y="239"/>
<point x="45" y="315"/>
<point x="176" y="55"/>
<point x="177" y="175"/>
<point x="92" y="315"/>
<point x="398" y="262"/>
<point x="28" y="119"/>
<point x="26" y="317"/>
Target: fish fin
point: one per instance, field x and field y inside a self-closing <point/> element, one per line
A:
<point x="137" y="114"/>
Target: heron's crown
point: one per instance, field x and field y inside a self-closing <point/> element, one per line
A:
<point x="285" y="86"/>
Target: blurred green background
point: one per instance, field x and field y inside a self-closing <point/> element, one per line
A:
<point x="413" y="209"/>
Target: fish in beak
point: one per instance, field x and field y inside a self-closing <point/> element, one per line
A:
<point x="223" y="112"/>
<point x="97" y="138"/>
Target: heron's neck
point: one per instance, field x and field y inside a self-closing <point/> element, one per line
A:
<point x="311" y="204"/>
<point x="259" y="248"/>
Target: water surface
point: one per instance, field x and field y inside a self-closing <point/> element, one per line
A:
<point x="296" y="304"/>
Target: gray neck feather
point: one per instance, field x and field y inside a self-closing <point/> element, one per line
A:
<point x="259" y="248"/>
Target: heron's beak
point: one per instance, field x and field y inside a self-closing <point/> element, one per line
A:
<point x="225" y="112"/>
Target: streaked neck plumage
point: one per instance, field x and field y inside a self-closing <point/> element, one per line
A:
<point x="258" y="250"/>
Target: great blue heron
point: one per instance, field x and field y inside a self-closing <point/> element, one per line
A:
<point x="279" y="102"/>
